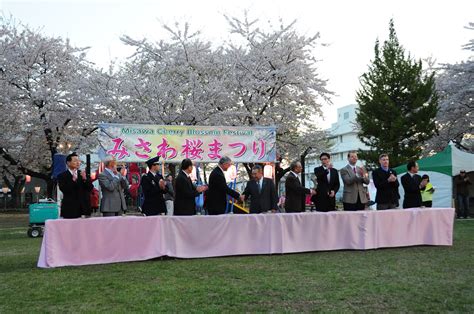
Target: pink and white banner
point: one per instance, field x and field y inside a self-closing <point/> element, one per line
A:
<point x="173" y="143"/>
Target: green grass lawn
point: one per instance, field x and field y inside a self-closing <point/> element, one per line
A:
<point x="427" y="279"/>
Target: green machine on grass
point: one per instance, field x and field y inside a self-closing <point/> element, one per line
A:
<point x="39" y="213"/>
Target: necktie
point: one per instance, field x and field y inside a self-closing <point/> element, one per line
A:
<point x="259" y="186"/>
<point x="354" y="169"/>
<point x="74" y="176"/>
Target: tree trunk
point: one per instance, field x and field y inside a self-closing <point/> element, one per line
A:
<point x="302" y="161"/>
<point x="15" y="188"/>
<point x="16" y="192"/>
<point x="280" y="173"/>
<point x="248" y="168"/>
<point x="50" y="188"/>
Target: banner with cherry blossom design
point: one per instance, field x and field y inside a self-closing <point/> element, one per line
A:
<point x="173" y="143"/>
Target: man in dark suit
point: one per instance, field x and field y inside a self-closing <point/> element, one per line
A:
<point x="216" y="195"/>
<point x="295" y="193"/>
<point x="186" y="191"/>
<point x="76" y="188"/>
<point x="412" y="185"/>
<point x="261" y="191"/>
<point x="386" y="182"/>
<point x="153" y="187"/>
<point x="327" y="179"/>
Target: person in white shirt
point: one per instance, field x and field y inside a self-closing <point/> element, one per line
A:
<point x="412" y="185"/>
<point x="295" y="193"/>
<point x="261" y="191"/>
<point x="186" y="191"/>
<point x="328" y="184"/>
<point x="76" y="187"/>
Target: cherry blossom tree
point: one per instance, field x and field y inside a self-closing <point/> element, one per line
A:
<point x="275" y="81"/>
<point x="52" y="97"/>
<point x="44" y="100"/>
<point x="257" y="78"/>
<point x="178" y="81"/>
<point x="455" y="116"/>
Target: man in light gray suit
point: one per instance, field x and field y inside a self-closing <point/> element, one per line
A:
<point x="354" y="177"/>
<point x="113" y="185"/>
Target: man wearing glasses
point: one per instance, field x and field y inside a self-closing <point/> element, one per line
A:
<point x="328" y="184"/>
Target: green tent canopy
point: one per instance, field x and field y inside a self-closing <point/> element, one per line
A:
<point x="449" y="161"/>
<point x="441" y="162"/>
<point x="441" y="168"/>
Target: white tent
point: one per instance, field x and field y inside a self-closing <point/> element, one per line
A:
<point x="441" y="168"/>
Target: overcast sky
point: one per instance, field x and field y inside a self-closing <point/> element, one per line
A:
<point x="425" y="28"/>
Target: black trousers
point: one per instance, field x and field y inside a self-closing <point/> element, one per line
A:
<point x="354" y="207"/>
<point x="325" y="204"/>
<point x="428" y="204"/>
<point x="110" y="214"/>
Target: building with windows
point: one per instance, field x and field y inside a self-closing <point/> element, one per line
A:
<point x="343" y="137"/>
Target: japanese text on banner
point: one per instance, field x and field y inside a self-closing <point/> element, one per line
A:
<point x="139" y="142"/>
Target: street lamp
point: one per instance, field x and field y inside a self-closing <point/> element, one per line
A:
<point x="66" y="146"/>
<point x="268" y="171"/>
<point x="232" y="172"/>
<point x="5" y="193"/>
<point x="37" y="190"/>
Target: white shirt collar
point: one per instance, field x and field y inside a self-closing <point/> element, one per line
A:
<point x="72" y="171"/>
<point x="111" y="172"/>
<point x="187" y="175"/>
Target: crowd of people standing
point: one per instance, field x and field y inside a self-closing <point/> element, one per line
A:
<point x="165" y="196"/>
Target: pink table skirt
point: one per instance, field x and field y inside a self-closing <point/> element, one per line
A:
<point x="70" y="242"/>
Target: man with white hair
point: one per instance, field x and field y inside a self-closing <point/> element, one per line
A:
<point x="216" y="197"/>
<point x="295" y="193"/>
<point x="113" y="185"/>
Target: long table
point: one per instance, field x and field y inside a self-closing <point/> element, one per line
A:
<point x="73" y="242"/>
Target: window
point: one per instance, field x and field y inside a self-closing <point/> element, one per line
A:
<point x="346" y="115"/>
